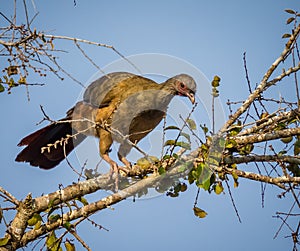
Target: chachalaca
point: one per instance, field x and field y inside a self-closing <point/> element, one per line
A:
<point x="119" y="106"/>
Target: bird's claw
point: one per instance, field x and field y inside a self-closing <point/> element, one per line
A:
<point x="115" y="169"/>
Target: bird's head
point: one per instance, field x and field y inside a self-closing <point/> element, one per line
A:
<point x="184" y="85"/>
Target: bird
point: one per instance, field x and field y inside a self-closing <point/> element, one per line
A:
<point x="119" y="106"/>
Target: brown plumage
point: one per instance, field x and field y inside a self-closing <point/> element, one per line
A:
<point x="116" y="105"/>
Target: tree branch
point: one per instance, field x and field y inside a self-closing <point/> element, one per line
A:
<point x="272" y="119"/>
<point x="264" y="82"/>
<point x="261" y="137"/>
<point x="98" y="205"/>
<point x="261" y="158"/>
<point x="9" y="196"/>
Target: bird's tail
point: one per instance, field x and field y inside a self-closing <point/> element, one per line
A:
<point x="48" y="146"/>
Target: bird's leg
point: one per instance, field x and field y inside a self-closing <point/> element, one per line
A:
<point x="123" y="151"/>
<point x="113" y="165"/>
<point x="114" y="168"/>
<point x="104" y="145"/>
<point x="124" y="161"/>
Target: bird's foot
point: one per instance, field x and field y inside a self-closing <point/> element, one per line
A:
<point x="127" y="164"/>
<point x="117" y="170"/>
<point x="114" y="169"/>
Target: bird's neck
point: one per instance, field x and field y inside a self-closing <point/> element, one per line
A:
<point x="168" y="91"/>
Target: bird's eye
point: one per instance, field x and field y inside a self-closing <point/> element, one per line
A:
<point x="182" y="85"/>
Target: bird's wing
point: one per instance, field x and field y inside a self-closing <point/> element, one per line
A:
<point x="141" y="107"/>
<point x="98" y="90"/>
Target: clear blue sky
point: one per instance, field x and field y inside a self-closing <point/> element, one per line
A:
<point x="211" y="36"/>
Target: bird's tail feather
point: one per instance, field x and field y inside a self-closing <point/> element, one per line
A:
<point x="48" y="146"/>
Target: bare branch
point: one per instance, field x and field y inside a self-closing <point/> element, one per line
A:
<point x="9" y="196"/>
<point x="95" y="206"/>
<point x="260" y="137"/>
<point x="261" y="158"/>
<point x="264" y="82"/>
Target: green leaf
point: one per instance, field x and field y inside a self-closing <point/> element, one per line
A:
<point x="199" y="212"/>
<point x="245" y="150"/>
<point x="3" y="241"/>
<point x="143" y="163"/>
<point x="292" y="121"/>
<point x="192" y="124"/>
<point x="53" y="218"/>
<point x="282" y="152"/>
<point x="216" y="81"/>
<point x="287" y="140"/>
<point x="172" y="128"/>
<point x="68" y="225"/>
<point x="22" y="81"/>
<point x="2" y="89"/>
<point x="37" y="225"/>
<point x="83" y="200"/>
<point x="167" y="156"/>
<point x="214" y="158"/>
<point x="234" y="131"/>
<point x="69" y="246"/>
<point x="34" y="219"/>
<point x="172" y="195"/>
<point x="204" y="147"/>
<point x="161" y="170"/>
<point x="184" y="145"/>
<point x="235" y="183"/>
<point x="205" y="184"/>
<point x="175" y="156"/>
<point x="202" y="175"/>
<point x="180" y="143"/>
<point x="291" y="19"/>
<point x="187" y="136"/>
<point x="183" y="187"/>
<point x="52" y="242"/>
<point x="191" y="178"/>
<point x="280" y="126"/>
<point x="297" y="147"/>
<point x="52" y="202"/>
<point x="234" y="175"/>
<point x="294" y="169"/>
<point x="219" y="188"/>
<point x="12" y="83"/>
<point x="204" y="129"/>
<point x="230" y="143"/>
<point x="286" y="35"/>
<point x="290" y="11"/>
<point x="221" y="142"/>
<point x="177" y="188"/>
<point x="217" y="78"/>
<point x="170" y="142"/>
<point x="233" y="166"/>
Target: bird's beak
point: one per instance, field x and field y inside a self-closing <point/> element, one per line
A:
<point x="191" y="96"/>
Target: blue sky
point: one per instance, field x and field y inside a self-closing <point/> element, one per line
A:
<point x="211" y="36"/>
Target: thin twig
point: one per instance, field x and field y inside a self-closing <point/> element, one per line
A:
<point x="88" y="58"/>
<point x="232" y="201"/>
<point x="9" y="196"/>
<point x="264" y="82"/>
<point x="79" y="239"/>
